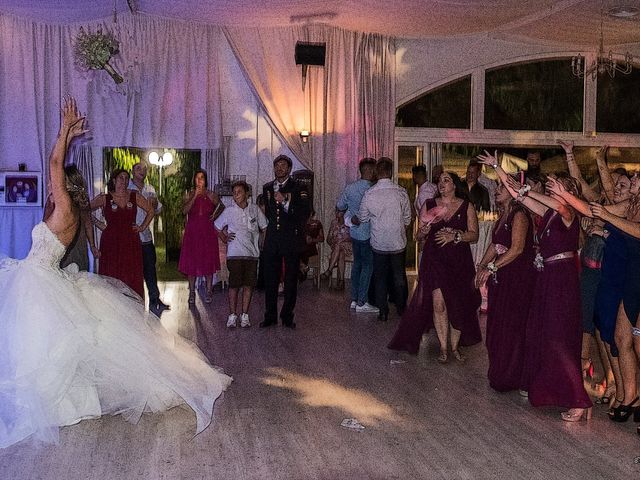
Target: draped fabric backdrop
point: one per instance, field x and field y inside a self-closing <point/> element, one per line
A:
<point x="172" y="94"/>
<point x="348" y="105"/>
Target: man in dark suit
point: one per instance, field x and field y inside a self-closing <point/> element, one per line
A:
<point x="478" y="195"/>
<point x="287" y="209"/>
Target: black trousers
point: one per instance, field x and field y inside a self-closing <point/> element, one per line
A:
<point x="389" y="271"/>
<point x="149" y="271"/>
<point x="274" y="256"/>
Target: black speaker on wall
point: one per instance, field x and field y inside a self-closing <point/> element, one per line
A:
<point x="310" y="53"/>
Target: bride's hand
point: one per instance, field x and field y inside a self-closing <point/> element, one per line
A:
<point x="73" y="122"/>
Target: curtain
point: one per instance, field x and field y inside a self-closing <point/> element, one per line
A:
<point x="348" y="105"/>
<point x="171" y="93"/>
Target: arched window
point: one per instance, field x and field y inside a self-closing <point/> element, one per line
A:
<point x="448" y="106"/>
<point x="618" y="104"/>
<point x="542" y="95"/>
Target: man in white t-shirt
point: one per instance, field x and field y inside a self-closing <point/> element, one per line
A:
<point x="240" y="225"/>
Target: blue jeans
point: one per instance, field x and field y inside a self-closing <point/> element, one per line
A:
<point x="361" y="270"/>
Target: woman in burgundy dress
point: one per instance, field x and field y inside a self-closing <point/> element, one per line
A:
<point x="552" y="373"/>
<point x="507" y="268"/>
<point x="120" y="247"/>
<point x="445" y="296"/>
<point x="199" y="254"/>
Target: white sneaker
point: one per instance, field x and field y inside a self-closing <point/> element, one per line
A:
<point x="353" y="305"/>
<point x="244" y="320"/>
<point x="231" y="321"/>
<point x="523" y="393"/>
<point x="366" y="308"/>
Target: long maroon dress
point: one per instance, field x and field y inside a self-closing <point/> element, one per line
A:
<point x="509" y="299"/>
<point x="199" y="254"/>
<point x="120" y="247"/>
<point x="552" y="370"/>
<point x="449" y="268"/>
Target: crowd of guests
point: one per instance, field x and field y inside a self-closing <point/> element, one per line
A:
<point x="562" y="269"/>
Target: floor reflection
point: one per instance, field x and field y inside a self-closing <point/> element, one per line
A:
<point x="320" y="392"/>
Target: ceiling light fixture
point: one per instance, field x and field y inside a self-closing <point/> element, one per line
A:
<point x="603" y="63"/>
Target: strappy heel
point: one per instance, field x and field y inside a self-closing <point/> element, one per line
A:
<point x="622" y="413"/>
<point x="459" y="357"/>
<point x="192" y="297"/>
<point x="587" y="372"/>
<point x="443" y="357"/>
<point x="577" y="414"/>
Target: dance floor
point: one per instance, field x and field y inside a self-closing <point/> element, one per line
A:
<point x="281" y="417"/>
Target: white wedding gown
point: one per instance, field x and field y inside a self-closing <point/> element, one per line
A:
<point x="77" y="345"/>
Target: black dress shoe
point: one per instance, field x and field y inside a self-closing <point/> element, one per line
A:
<point x="163" y="306"/>
<point x="265" y="323"/>
<point x="383" y="316"/>
<point x="156" y="309"/>
<point x="290" y="325"/>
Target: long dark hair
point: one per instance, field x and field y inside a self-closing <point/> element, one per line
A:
<point x="76" y="187"/>
<point x="459" y="192"/>
<point x="206" y="178"/>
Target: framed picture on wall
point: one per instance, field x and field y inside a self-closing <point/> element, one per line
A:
<point x="21" y="189"/>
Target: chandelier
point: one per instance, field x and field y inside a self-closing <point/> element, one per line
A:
<point x="603" y="63"/>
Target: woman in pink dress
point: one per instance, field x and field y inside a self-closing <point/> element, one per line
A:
<point x="199" y="255"/>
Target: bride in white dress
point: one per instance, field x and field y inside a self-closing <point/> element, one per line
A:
<point x="76" y="345"/>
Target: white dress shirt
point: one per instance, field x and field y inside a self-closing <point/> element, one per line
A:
<point x="387" y="208"/>
<point x="147" y="192"/>
<point x="491" y="186"/>
<point x="426" y="191"/>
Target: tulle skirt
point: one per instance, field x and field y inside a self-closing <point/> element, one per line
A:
<point x="77" y="345"/>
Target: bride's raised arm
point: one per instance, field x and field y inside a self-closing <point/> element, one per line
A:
<point x="71" y="126"/>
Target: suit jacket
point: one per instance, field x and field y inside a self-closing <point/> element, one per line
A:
<point x="478" y="196"/>
<point x="286" y="227"/>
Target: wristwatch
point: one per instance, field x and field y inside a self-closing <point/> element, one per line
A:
<point x="457" y="237"/>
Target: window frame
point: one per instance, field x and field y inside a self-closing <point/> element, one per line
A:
<point x="529" y="138"/>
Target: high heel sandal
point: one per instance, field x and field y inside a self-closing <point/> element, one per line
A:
<point x="209" y="297"/>
<point x="192" y="297"/>
<point x="576" y="414"/>
<point x="623" y="412"/>
<point x="459" y="357"/>
<point x="615" y="404"/>
<point x="608" y="395"/>
<point x="587" y="372"/>
<point x="443" y="357"/>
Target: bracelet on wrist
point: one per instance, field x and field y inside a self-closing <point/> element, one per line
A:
<point x="493" y="269"/>
<point x="524" y="190"/>
<point x="457" y="236"/>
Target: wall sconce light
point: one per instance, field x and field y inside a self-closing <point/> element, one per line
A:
<point x="304" y="135"/>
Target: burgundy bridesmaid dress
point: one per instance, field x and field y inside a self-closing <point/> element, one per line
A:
<point x="449" y="268"/>
<point x="552" y="371"/>
<point x="509" y="299"/>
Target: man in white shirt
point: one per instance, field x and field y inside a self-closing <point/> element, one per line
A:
<point x="426" y="189"/>
<point x="240" y="225"/>
<point x="387" y="208"/>
<point x="137" y="183"/>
